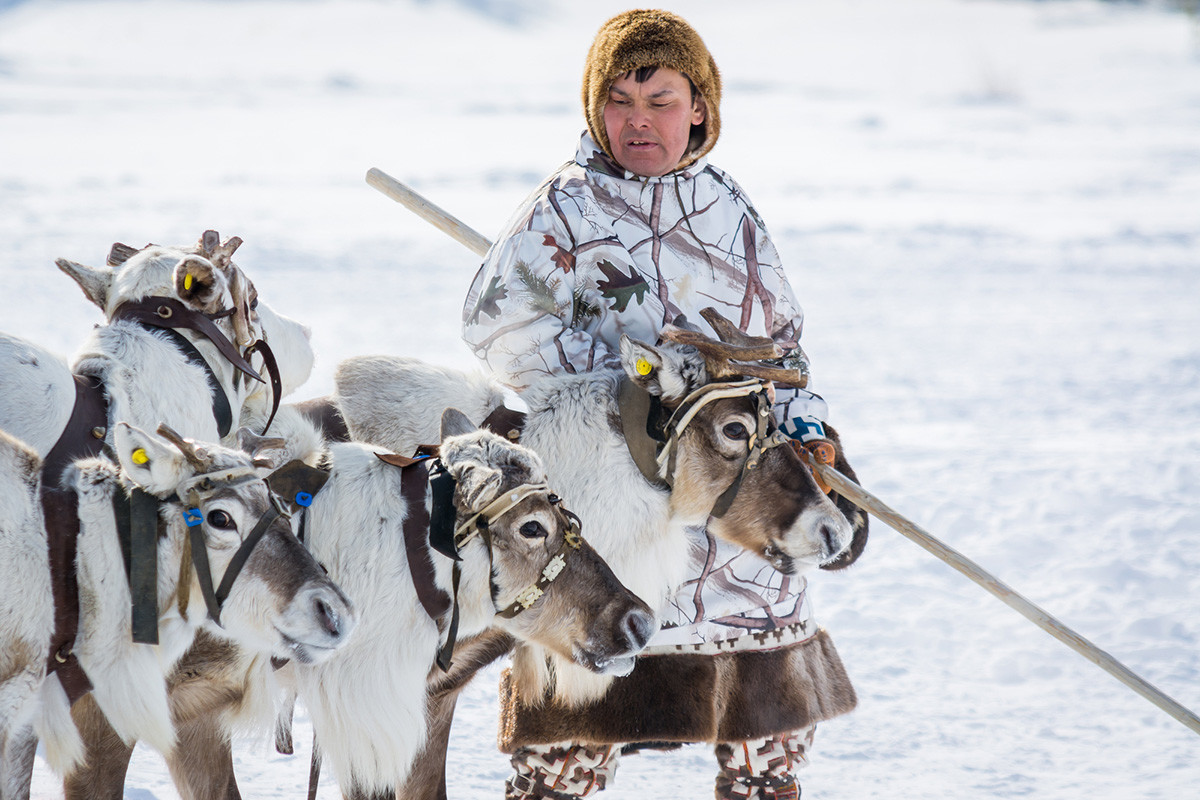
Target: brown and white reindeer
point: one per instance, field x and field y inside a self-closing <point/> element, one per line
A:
<point x="525" y="570"/>
<point x="215" y="510"/>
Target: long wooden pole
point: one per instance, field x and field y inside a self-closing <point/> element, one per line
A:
<point x="434" y="215"/>
<point x="860" y="497"/>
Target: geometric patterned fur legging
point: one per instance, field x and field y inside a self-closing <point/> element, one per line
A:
<point x="760" y="769"/>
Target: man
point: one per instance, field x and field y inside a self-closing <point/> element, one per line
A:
<point x="636" y="231"/>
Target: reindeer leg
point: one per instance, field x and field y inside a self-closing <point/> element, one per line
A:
<point x="207" y="682"/>
<point x="427" y="778"/>
<point x="20" y="751"/>
<point x="202" y="762"/>
<point x="102" y="775"/>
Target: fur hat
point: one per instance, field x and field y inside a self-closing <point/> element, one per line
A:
<point x="651" y="38"/>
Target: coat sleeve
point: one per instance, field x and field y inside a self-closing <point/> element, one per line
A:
<point x="524" y="316"/>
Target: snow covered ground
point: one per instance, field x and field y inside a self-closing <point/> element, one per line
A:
<point x="990" y="210"/>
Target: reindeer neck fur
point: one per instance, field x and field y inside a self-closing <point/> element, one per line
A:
<point x="149" y="381"/>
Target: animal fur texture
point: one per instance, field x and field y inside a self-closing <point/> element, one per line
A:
<point x="25" y="618"/>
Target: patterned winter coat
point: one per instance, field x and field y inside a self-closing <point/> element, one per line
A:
<point x="596" y="252"/>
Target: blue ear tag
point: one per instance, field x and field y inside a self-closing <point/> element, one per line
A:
<point x="304" y="499"/>
<point x="192" y="517"/>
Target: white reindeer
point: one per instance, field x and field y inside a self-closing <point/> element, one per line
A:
<point x="146" y="374"/>
<point x="367" y="703"/>
<point x="280" y="605"/>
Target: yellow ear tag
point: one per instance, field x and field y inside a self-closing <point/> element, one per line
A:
<point x="139" y="456"/>
<point x="643" y="367"/>
<point x="187" y="282"/>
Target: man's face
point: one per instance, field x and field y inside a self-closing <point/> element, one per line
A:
<point x="648" y="124"/>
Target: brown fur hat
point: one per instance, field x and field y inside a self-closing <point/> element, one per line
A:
<point x="651" y="38"/>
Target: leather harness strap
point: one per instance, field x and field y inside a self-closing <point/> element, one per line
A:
<point x="83" y="437"/>
<point x="137" y="521"/>
<point x="505" y="422"/>
<point x="169" y="313"/>
<point x="414" y="478"/>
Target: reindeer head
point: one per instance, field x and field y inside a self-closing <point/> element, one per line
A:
<point x="281" y="603"/>
<point x="550" y="585"/>
<point x="204" y="278"/>
<point x="718" y="447"/>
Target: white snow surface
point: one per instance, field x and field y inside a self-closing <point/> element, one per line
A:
<point x="989" y="209"/>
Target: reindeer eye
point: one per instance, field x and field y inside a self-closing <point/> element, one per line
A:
<point x="533" y="530"/>
<point x="736" y="430"/>
<point x="220" y="520"/>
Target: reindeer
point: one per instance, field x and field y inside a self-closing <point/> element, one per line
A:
<point x="524" y="568"/>
<point x="215" y="511"/>
<point x="182" y="326"/>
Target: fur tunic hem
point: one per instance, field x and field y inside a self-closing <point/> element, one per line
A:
<point x="721" y="703"/>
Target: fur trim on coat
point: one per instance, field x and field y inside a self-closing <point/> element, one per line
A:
<point x="651" y="38"/>
<point x="692" y="698"/>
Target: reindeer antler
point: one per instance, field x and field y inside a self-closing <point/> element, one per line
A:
<point x="195" y="455"/>
<point x="739" y="354"/>
<point x="216" y="251"/>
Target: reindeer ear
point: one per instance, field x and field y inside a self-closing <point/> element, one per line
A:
<point x="455" y="423"/>
<point x="669" y="371"/>
<point x="478" y="485"/>
<point x="642" y="363"/>
<point x="197" y="282"/>
<point x="152" y="463"/>
<point x="95" y="281"/>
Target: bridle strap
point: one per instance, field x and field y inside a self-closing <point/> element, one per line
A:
<point x="272" y="366"/>
<point x="221" y="410"/>
<point x="494" y="510"/>
<point x="572" y="541"/>
<point x="167" y="312"/>
<point x="239" y="558"/>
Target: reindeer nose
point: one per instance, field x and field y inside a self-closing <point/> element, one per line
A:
<point x="833" y="538"/>
<point x="333" y="614"/>
<point x="637" y="627"/>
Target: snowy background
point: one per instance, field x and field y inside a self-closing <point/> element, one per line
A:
<point x="990" y="210"/>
